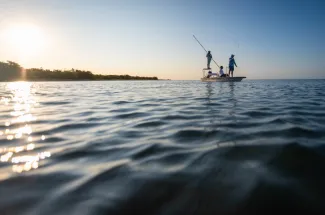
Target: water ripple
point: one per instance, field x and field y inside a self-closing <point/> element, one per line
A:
<point x="162" y="147"/>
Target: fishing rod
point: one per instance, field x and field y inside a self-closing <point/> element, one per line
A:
<point x="205" y="50"/>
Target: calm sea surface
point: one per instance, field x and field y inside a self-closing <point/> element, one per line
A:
<point x="162" y="147"/>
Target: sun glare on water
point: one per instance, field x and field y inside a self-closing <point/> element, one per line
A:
<point x="19" y="148"/>
<point x="26" y="40"/>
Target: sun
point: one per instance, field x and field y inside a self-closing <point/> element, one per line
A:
<point x="26" y="39"/>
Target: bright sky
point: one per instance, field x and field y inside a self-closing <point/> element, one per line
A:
<point x="270" y="39"/>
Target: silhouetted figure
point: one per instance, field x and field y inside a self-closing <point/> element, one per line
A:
<point x="210" y="74"/>
<point x="232" y="64"/>
<point x="221" y="73"/>
<point x="209" y="57"/>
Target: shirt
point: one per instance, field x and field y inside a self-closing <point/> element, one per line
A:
<point x="221" y="72"/>
<point x="232" y="62"/>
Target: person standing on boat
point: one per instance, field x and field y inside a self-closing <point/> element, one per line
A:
<point x="209" y="57"/>
<point x="232" y="64"/>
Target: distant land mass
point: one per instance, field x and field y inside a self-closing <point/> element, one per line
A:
<point x="12" y="71"/>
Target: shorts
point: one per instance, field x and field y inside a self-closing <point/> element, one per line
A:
<point x="231" y="68"/>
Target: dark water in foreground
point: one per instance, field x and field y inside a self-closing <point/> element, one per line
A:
<point x="156" y="147"/>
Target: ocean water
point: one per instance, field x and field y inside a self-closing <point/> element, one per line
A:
<point x="162" y="147"/>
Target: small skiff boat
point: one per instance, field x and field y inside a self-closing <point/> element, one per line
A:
<point x="222" y="79"/>
<point x="215" y="78"/>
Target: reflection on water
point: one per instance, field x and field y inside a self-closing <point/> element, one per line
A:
<point x="221" y="103"/>
<point x="233" y="100"/>
<point x="209" y="94"/>
<point x="19" y="148"/>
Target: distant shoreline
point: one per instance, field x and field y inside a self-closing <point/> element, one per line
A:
<point x="73" y="80"/>
<point x="11" y="71"/>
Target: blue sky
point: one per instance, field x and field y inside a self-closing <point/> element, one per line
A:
<point x="271" y="39"/>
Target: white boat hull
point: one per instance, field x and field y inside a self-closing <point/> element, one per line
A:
<point x="222" y="79"/>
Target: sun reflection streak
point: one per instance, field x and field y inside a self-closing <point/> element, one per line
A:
<point x="22" y="157"/>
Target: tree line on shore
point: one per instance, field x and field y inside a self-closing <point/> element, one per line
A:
<point x="12" y="71"/>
